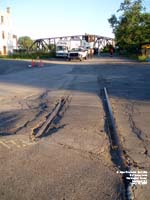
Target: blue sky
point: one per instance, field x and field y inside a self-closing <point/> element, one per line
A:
<point x="50" y="18"/>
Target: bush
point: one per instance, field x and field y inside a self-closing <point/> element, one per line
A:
<point x="32" y="55"/>
<point x="142" y="58"/>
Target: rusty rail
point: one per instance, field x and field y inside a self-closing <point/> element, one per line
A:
<point x="55" y="112"/>
<point x="115" y="144"/>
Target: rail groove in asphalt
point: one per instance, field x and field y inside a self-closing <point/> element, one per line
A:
<point x="58" y="111"/>
<point x="115" y="146"/>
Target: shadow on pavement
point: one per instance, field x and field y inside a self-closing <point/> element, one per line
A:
<point x="124" y="79"/>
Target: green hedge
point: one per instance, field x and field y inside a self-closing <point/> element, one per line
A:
<point x="142" y="58"/>
<point x="32" y="55"/>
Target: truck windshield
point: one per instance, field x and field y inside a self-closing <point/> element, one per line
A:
<point x="61" y="48"/>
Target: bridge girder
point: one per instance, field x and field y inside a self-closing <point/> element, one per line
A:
<point x="44" y="43"/>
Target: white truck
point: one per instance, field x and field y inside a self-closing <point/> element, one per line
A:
<point x="65" y="47"/>
<point x="78" y="53"/>
<point x="82" y="52"/>
<point x="62" y="48"/>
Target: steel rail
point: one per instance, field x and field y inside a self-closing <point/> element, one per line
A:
<point x="111" y="122"/>
<point x="51" y="117"/>
<point x="115" y="145"/>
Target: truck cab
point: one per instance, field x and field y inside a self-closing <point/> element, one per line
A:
<point x="62" y="48"/>
<point x="78" y="53"/>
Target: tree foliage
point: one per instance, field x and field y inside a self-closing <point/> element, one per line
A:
<point x="132" y="27"/>
<point x="25" y="42"/>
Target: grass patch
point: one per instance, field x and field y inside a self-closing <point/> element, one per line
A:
<point x="142" y="58"/>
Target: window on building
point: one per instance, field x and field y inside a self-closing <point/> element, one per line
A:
<point x="3" y="35"/>
<point x="4" y="50"/>
<point x="2" y="19"/>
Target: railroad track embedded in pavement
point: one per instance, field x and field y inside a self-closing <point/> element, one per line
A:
<point x="115" y="146"/>
<point x="57" y="112"/>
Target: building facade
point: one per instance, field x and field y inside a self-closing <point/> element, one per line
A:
<point x="8" y="41"/>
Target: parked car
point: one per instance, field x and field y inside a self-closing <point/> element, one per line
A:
<point x="78" y="53"/>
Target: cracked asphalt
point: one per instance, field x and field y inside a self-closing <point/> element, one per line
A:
<point x="72" y="161"/>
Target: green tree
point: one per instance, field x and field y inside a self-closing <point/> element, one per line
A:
<point x="25" y="42"/>
<point x="132" y="27"/>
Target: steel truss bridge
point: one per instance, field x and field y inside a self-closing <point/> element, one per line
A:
<point x="98" y="41"/>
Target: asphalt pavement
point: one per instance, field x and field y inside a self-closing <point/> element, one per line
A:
<point x="72" y="160"/>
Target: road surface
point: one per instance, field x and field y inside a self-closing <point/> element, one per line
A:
<point x="72" y="160"/>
